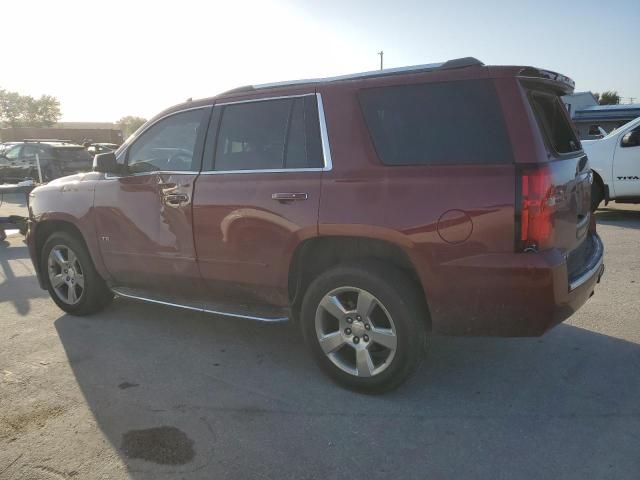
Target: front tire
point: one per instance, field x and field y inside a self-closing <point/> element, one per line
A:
<point x="597" y="194"/>
<point x="363" y="324"/>
<point x="70" y="276"/>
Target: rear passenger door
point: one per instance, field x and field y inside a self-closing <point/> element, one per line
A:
<point x="258" y="196"/>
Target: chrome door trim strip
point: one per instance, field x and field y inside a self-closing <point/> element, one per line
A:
<point x="270" y="170"/>
<point x="200" y="309"/>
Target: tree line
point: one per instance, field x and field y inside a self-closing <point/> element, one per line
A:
<point x="25" y="111"/>
<point x="610" y="97"/>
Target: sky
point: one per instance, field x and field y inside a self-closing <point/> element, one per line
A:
<point x="107" y="59"/>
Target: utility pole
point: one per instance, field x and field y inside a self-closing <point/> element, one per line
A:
<point x="631" y="99"/>
<point x="381" y="53"/>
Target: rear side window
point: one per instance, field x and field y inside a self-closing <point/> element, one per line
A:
<point x="437" y="124"/>
<point x="552" y="118"/>
<point x="269" y="135"/>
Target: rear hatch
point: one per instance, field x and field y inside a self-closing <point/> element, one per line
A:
<point x="556" y="192"/>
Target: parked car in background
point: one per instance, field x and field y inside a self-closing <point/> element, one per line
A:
<point x="374" y="209"/>
<point x="19" y="160"/>
<point x="615" y="161"/>
<point x="96" y="148"/>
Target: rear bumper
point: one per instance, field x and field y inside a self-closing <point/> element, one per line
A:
<point x="519" y="294"/>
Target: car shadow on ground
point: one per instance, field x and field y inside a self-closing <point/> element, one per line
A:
<point x="618" y="217"/>
<point x="18" y="284"/>
<point x="224" y="396"/>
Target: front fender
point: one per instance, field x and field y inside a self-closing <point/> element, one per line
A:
<point x="67" y="201"/>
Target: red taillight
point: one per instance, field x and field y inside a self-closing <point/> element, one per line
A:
<point x="537" y="208"/>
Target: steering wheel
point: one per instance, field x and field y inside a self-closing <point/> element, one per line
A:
<point x="181" y="160"/>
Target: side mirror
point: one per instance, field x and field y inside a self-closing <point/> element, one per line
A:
<point x="106" y="163"/>
<point x="631" y="139"/>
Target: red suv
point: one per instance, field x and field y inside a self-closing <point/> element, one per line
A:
<point x="374" y="209"/>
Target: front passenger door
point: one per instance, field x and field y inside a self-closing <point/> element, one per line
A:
<point x="143" y="217"/>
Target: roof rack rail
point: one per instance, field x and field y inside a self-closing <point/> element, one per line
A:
<point x="46" y="140"/>
<point x="450" y="64"/>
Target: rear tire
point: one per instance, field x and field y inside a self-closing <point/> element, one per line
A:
<point x="70" y="276"/>
<point x="363" y="324"/>
<point x="597" y="194"/>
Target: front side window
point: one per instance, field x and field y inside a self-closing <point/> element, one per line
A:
<point x="631" y="139"/>
<point x="168" y="145"/>
<point x="268" y="135"/>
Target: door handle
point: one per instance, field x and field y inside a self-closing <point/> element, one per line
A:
<point x="176" y="199"/>
<point x="289" y="197"/>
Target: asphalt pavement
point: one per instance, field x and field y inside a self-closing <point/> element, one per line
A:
<point x="149" y="392"/>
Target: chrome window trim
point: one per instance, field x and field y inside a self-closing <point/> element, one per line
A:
<point x="264" y="99"/>
<point x="324" y="137"/>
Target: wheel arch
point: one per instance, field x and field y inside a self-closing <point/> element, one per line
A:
<point x="47" y="226"/>
<point x="597" y="179"/>
<point x="315" y="255"/>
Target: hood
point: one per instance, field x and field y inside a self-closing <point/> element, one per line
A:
<point x="69" y="181"/>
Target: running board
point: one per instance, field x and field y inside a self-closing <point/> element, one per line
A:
<point x="273" y="315"/>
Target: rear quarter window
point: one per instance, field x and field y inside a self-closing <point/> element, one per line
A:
<point x="553" y="121"/>
<point x="437" y="124"/>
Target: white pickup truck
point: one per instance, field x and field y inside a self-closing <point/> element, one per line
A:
<point x="615" y="161"/>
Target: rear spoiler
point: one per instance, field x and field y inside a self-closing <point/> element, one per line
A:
<point x="553" y="80"/>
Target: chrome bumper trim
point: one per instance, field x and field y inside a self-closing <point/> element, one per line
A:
<point x="596" y="265"/>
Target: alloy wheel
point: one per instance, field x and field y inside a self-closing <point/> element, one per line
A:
<point x="66" y="274"/>
<point x="355" y="331"/>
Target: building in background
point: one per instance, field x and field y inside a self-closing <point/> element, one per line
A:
<point x="609" y="117"/>
<point x="578" y="101"/>
<point x="589" y="116"/>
